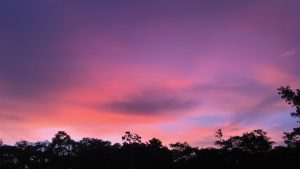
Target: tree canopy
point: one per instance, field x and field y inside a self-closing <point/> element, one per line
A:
<point x="292" y="139"/>
<point x="254" y="141"/>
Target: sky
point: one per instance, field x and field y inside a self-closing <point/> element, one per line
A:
<point x="177" y="70"/>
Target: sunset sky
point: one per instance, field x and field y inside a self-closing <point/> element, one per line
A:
<point x="173" y="69"/>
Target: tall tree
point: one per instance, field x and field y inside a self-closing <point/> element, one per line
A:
<point x="62" y="144"/>
<point x="292" y="139"/>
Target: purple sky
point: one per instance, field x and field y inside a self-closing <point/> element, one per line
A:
<point x="176" y="70"/>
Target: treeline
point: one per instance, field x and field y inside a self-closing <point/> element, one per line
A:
<point x="250" y="150"/>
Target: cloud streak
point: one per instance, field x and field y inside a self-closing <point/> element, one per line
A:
<point x="151" y="103"/>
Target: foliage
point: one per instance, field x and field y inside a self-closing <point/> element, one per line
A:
<point x="291" y="97"/>
<point x="292" y="139"/>
<point x="89" y="153"/>
<point x="252" y="142"/>
<point x="131" y="138"/>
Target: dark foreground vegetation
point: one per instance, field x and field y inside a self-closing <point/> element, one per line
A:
<point x="253" y="150"/>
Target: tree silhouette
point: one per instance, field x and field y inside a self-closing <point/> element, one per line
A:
<point x="159" y="156"/>
<point x="62" y="144"/>
<point x="220" y="141"/>
<point x="253" y="142"/>
<point x="62" y="151"/>
<point x="292" y="139"/>
<point x="93" y="153"/>
<point x="256" y="141"/>
<point x="155" y="143"/>
<point x="182" y="151"/>
<point x="291" y="97"/>
<point x="129" y="138"/>
<point x="251" y="150"/>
